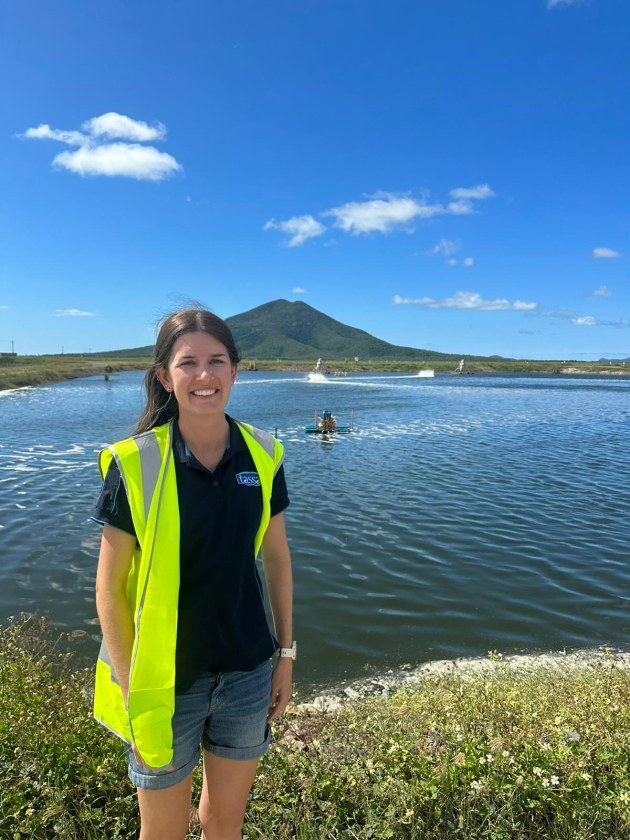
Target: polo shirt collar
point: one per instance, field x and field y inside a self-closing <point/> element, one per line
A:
<point x="184" y="456"/>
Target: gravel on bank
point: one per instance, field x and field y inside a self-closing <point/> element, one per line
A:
<point x="390" y="681"/>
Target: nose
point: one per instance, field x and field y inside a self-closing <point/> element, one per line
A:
<point x="205" y="373"/>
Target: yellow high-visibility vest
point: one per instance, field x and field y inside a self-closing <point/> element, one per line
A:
<point x="147" y="468"/>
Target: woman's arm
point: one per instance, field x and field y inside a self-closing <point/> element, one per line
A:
<point x="114" y="562"/>
<point x="277" y="565"/>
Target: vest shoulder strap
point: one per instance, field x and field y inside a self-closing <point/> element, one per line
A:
<point x="270" y="444"/>
<point x="139" y="459"/>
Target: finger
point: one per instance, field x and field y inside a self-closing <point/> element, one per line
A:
<point x="273" y="708"/>
<point x="278" y="706"/>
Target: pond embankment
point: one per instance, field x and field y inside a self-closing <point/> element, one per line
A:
<point x="28" y="371"/>
<point x="527" y="748"/>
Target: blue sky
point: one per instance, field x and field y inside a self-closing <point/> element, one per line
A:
<point x="441" y="173"/>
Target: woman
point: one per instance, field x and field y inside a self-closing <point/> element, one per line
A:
<point x="186" y="658"/>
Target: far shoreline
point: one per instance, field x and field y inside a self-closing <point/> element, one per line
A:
<point x="31" y="371"/>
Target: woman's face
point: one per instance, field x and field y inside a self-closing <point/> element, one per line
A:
<point x="200" y="374"/>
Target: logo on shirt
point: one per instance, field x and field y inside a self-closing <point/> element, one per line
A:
<point x="250" y="479"/>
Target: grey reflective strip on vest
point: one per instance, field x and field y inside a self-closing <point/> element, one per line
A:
<point x="150" y="452"/>
<point x="150" y="462"/>
<point x="266" y="440"/>
<point x="104" y="656"/>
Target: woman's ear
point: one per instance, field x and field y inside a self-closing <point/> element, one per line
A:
<point x="163" y="378"/>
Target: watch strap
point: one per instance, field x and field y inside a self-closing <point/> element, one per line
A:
<point x="288" y="653"/>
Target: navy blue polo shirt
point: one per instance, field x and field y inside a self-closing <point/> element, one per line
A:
<point x="221" y="623"/>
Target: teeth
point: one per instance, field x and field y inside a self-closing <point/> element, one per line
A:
<point x="207" y="393"/>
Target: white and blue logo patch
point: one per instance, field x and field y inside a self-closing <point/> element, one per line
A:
<point x="250" y="479"/>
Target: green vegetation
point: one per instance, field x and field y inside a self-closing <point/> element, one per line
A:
<point x="502" y="756"/>
<point x="21" y="371"/>
<point x="474" y="364"/>
<point x="290" y="336"/>
<point x="284" y="330"/>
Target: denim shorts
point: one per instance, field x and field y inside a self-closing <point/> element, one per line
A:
<point x="226" y="713"/>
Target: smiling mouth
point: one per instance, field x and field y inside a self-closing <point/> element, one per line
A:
<point x="208" y="392"/>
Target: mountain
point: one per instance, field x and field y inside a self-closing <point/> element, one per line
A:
<point x="284" y="330"/>
<point x="296" y="331"/>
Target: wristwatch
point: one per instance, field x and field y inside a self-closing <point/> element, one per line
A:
<point x="288" y="653"/>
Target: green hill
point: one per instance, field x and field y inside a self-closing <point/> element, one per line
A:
<point x="284" y="330"/>
<point x="129" y="353"/>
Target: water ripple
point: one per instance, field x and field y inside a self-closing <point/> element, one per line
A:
<point x="464" y="513"/>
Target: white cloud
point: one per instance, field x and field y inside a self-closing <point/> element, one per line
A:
<point x="468" y="300"/>
<point x="468" y="261"/>
<point x="446" y="247"/>
<point x="552" y="3"/>
<point x="478" y="193"/>
<point x="585" y="321"/>
<point x="45" y="132"/>
<point x="605" y="254"/>
<point x="118" y="126"/>
<point x="384" y="212"/>
<point x="129" y="160"/>
<point x="381" y="214"/>
<point x="298" y="291"/>
<point x="73" y="313"/>
<point x="452" y="261"/>
<point x="602" y="291"/>
<point x="95" y="156"/>
<point x="459" y="208"/>
<point x="301" y="228"/>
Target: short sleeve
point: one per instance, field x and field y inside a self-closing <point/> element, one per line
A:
<point x="112" y="507"/>
<point x="279" y="493"/>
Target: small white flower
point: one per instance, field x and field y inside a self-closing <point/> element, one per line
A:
<point x="537" y="771"/>
<point x="555" y="780"/>
<point x="545" y="782"/>
<point x="586" y="776"/>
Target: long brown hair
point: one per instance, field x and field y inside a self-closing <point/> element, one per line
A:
<point x="161" y="405"/>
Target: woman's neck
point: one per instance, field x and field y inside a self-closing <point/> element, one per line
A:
<point x="205" y="433"/>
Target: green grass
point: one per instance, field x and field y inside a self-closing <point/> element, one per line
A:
<point x="473" y="365"/>
<point x="23" y="371"/>
<point x="502" y="755"/>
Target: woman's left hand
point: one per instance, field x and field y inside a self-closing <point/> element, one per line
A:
<point x="281" y="687"/>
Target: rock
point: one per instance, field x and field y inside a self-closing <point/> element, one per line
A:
<point x="328" y="703"/>
<point x="387" y="683"/>
<point x="352" y="693"/>
<point x="290" y="740"/>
